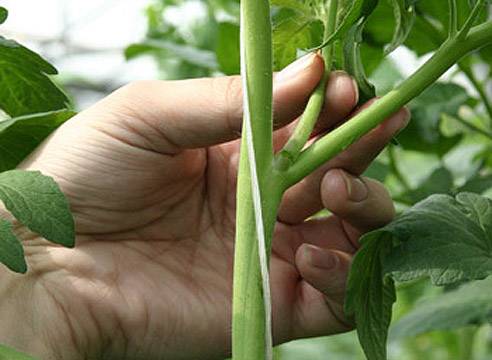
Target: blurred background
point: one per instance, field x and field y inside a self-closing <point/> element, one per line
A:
<point x="99" y="45"/>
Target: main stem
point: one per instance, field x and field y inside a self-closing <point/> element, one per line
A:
<point x="340" y="138"/>
<point x="251" y="338"/>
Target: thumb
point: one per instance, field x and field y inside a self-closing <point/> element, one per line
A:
<point x="203" y="112"/>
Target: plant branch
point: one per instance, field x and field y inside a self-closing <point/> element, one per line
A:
<point x="306" y="124"/>
<point x="339" y="139"/>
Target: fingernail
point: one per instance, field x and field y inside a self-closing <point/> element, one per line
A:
<point x="343" y="80"/>
<point x="294" y="69"/>
<point x="407" y="116"/>
<point x="319" y="258"/>
<point x="356" y="188"/>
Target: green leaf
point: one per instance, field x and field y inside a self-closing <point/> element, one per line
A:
<point x="477" y="184"/>
<point x="38" y="203"/>
<point x="11" y="251"/>
<point x="350" y="12"/>
<point x="353" y="61"/>
<point x="404" y="13"/>
<point x="228" y="48"/>
<point x="3" y="14"/>
<point x="7" y="353"/>
<point x="370" y="296"/>
<point x="448" y="239"/>
<point x="291" y="32"/>
<point x="423" y="133"/>
<point x="26" y="87"/>
<point x="471" y="303"/>
<point x="296" y="5"/>
<point x="21" y="135"/>
<point x="199" y="57"/>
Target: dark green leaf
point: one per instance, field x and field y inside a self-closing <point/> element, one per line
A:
<point x="370" y="296"/>
<point x="377" y="170"/>
<point x="26" y="87"/>
<point x="404" y="14"/>
<point x="423" y="132"/>
<point x="20" y="136"/>
<point x="7" y="353"/>
<point x="228" y="48"/>
<point x="448" y="239"/>
<point x="353" y="61"/>
<point x="11" y="251"/>
<point x="471" y="303"/>
<point x="477" y="184"/>
<point x="38" y="203"/>
<point x="350" y="12"/>
<point x="199" y="57"/>
<point x="3" y="14"/>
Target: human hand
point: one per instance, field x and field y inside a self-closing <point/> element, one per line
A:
<point x="150" y="175"/>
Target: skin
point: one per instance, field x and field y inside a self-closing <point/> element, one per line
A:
<point x="150" y="175"/>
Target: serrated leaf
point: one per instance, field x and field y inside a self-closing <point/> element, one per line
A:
<point x="7" y="353"/>
<point x="404" y="13"/>
<point x="448" y="239"/>
<point x="199" y="57"/>
<point x="370" y="296"/>
<point x="471" y="303"/>
<point x="21" y="135"/>
<point x="11" y="251"/>
<point x="26" y="87"/>
<point x="3" y="14"/>
<point x="228" y="48"/>
<point x="38" y="203"/>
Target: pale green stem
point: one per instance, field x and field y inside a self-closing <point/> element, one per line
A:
<point x="306" y="124"/>
<point x="251" y="335"/>
<point x="340" y="138"/>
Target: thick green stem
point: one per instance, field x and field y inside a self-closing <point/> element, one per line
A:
<point x="257" y="197"/>
<point x="306" y="124"/>
<point x="340" y="138"/>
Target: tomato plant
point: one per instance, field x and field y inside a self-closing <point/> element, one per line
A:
<point x="444" y="230"/>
